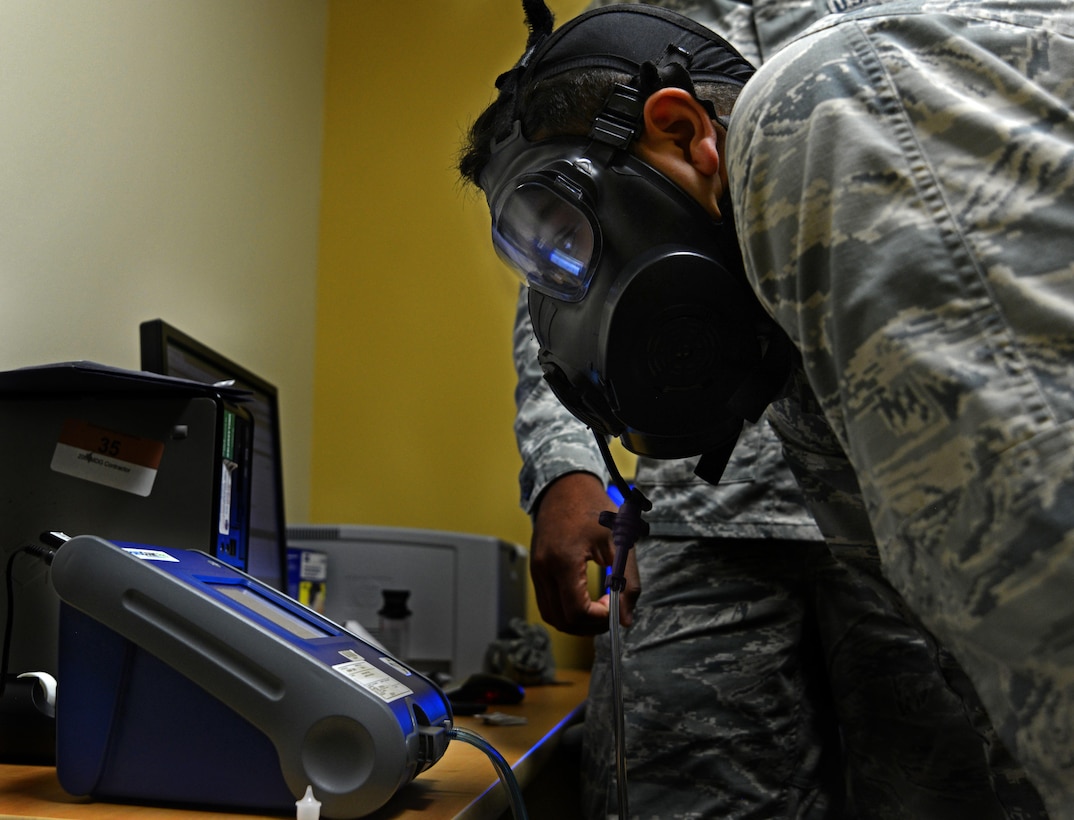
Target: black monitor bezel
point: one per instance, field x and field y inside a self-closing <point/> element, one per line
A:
<point x="156" y="336"/>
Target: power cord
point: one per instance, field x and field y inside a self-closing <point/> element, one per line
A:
<point x="503" y="768"/>
<point x="45" y="553"/>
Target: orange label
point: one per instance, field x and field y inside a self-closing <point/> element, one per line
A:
<point x="133" y="449"/>
<point x="116" y="460"/>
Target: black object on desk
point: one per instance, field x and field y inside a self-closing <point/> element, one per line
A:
<point x="476" y="693"/>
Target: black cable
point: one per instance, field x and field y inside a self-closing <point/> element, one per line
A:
<point x="503" y="768"/>
<point x="606" y="453"/>
<point x="44" y="553"/>
<point x="626" y="525"/>
<point x="9" y="588"/>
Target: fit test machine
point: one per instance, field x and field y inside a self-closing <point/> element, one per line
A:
<point x="272" y="697"/>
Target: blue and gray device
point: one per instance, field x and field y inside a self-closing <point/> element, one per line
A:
<point x="184" y="680"/>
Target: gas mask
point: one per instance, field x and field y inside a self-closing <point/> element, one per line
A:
<point x="647" y="328"/>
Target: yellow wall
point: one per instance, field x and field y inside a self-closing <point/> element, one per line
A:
<point x="413" y="382"/>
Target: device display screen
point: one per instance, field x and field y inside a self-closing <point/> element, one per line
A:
<point x="253" y="600"/>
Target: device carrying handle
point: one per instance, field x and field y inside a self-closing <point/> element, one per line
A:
<point x="627" y="525"/>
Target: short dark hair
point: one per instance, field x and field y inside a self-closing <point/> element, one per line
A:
<point x="563" y="105"/>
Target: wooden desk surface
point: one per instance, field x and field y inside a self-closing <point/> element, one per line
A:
<point x="463" y="784"/>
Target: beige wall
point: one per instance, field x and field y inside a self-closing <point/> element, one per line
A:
<point x="162" y="158"/>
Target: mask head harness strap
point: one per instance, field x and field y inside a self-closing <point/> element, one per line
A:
<point x="540" y="20"/>
<point x="619" y="121"/>
<point x="655" y="47"/>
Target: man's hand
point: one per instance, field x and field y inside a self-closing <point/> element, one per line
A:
<point x="566" y="537"/>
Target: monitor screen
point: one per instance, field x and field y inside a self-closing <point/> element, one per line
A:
<point x="168" y="351"/>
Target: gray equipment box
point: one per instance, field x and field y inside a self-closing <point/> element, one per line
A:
<point x="464" y="589"/>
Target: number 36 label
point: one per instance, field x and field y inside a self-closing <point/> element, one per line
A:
<point x="106" y="457"/>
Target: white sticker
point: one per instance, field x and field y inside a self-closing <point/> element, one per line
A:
<point x="398" y="667"/>
<point x="116" y="460"/>
<point x="225" y="496"/>
<point x="313" y="565"/>
<point x="380" y="683"/>
<point x="150" y="554"/>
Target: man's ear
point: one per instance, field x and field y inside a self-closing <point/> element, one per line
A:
<point x="680" y="140"/>
<point x="676" y="122"/>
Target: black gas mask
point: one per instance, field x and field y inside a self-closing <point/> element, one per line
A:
<point x="647" y="328"/>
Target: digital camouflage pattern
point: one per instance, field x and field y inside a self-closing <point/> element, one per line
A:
<point x="903" y="180"/>
<point x="743" y="689"/>
<point x="748" y="651"/>
<point x="757" y="29"/>
<point x="750" y="637"/>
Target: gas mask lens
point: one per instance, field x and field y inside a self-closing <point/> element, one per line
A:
<point x="546" y="239"/>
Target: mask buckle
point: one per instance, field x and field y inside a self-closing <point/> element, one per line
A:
<point x="617" y="122"/>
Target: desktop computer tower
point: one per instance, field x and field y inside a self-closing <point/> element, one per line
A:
<point x="123" y="455"/>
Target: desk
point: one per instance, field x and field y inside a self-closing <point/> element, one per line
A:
<point x="463" y="783"/>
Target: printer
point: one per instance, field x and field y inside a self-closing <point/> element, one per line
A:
<point x="463" y="590"/>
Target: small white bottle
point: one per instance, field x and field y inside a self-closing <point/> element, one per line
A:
<point x="308" y="808"/>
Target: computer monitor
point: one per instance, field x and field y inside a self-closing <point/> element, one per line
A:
<point x="169" y="351"/>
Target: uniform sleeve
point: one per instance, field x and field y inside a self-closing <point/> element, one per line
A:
<point x="550" y="440"/>
<point x="903" y="193"/>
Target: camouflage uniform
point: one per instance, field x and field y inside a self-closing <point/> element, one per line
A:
<point x="722" y="670"/>
<point x="743" y="617"/>
<point x="903" y="180"/>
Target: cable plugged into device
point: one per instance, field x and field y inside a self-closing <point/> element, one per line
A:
<point x="54" y="538"/>
<point x="503" y="768"/>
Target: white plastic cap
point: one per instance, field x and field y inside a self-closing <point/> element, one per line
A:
<point x="308" y="808"/>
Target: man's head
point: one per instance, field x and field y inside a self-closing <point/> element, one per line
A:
<point x="600" y="160"/>
<point x="565" y="76"/>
